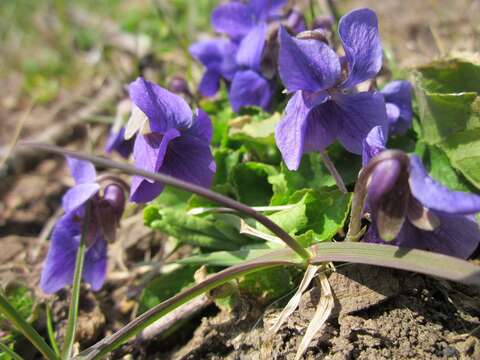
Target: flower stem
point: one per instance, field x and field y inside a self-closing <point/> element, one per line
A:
<point x="276" y="258"/>
<point x="77" y="280"/>
<point x="50" y="330"/>
<point x="184" y="185"/>
<point x="25" y="328"/>
<point x="333" y="171"/>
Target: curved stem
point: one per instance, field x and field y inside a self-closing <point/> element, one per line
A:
<point x="106" y="345"/>
<point x="201" y="191"/>
<point x="334" y="172"/>
<point x="77" y="281"/>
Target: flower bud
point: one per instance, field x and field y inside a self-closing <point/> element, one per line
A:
<point x="179" y="86"/>
<point x="388" y="196"/>
<point x="109" y="209"/>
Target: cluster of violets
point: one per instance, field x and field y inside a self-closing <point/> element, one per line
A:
<point x="245" y="58"/>
<point x="167" y="137"/>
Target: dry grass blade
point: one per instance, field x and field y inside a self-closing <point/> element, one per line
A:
<point x="16" y="135"/>
<point x="295" y="300"/>
<point x="324" y="309"/>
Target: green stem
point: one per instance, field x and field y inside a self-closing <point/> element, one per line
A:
<point x="25" y="328"/>
<point x="103" y="347"/>
<point x="77" y="280"/>
<point x="10" y="352"/>
<point x="51" y="331"/>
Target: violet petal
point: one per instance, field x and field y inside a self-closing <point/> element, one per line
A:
<point x="434" y="195"/>
<point x="290" y="131"/>
<point x="251" y="47"/>
<point x="373" y="144"/>
<point x="234" y="19"/>
<point x="308" y="65"/>
<point x="95" y="267"/>
<point x="190" y="159"/>
<point x="59" y="265"/>
<point x="358" y="114"/>
<point x="248" y="88"/>
<point x="358" y="31"/>
<point x="210" y="83"/>
<point x="164" y="109"/>
<point x="82" y="171"/>
<point x="78" y="195"/>
<point x="399" y="94"/>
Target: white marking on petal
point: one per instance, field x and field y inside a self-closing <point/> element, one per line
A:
<point x="137" y="121"/>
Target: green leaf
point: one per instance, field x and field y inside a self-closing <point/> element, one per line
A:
<point x="292" y="220"/>
<point x="453" y="75"/>
<point x="440" y="168"/>
<point x="463" y="149"/>
<point x="251" y="182"/>
<point x="269" y="284"/>
<point x="317" y="215"/>
<point x="21" y="298"/>
<point x="313" y="174"/>
<point x="171" y="197"/>
<point x="258" y="131"/>
<point x="228" y="258"/>
<point x="165" y="286"/>
<point x="449" y="110"/>
<point x="442" y="115"/>
<point x="326" y="210"/>
<point x="213" y="231"/>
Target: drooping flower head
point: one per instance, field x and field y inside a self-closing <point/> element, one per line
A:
<point x="172" y="139"/>
<point x="116" y="138"/>
<point x="410" y="209"/>
<point x="107" y="201"/>
<point x="325" y="105"/>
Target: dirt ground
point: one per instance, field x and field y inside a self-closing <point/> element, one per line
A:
<point x="393" y="315"/>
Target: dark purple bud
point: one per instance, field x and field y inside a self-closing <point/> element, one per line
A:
<point x="388" y="196"/>
<point x="323" y="22"/>
<point x="179" y="85"/>
<point x="114" y="194"/>
<point x="109" y="209"/>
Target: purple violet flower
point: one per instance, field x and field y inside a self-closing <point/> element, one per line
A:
<point x="249" y="87"/>
<point x="427" y="215"/>
<point x="398" y="102"/>
<point x="176" y="142"/>
<point x="106" y="210"/>
<point x="238" y="64"/>
<point x="218" y="57"/>
<point x="325" y="105"/>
